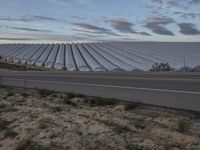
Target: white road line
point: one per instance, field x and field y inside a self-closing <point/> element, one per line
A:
<point x="109" y="86"/>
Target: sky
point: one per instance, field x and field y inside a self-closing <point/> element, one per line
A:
<point x="39" y="21"/>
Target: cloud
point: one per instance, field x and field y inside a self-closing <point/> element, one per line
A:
<point x="42" y="18"/>
<point x="159" y="29"/>
<point x="29" y="29"/>
<point x="21" y="19"/>
<point x="28" y="18"/>
<point x="17" y="39"/>
<point x="88" y="31"/>
<point x="159" y="21"/>
<point x="68" y="2"/>
<point x="170" y="5"/>
<point x="144" y="33"/>
<point x="124" y="26"/>
<point x="89" y="35"/>
<point x="25" y="29"/>
<point x="163" y="3"/>
<point x="157" y="25"/>
<point x="194" y="2"/>
<point x="188" y="29"/>
<point x="61" y="2"/>
<point x="95" y="29"/>
<point x="186" y="15"/>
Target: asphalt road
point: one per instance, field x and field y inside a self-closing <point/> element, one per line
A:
<point x="176" y="90"/>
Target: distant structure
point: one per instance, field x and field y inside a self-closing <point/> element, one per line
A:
<point x="108" y="56"/>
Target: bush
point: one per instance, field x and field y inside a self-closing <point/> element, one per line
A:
<point x="10" y="133"/>
<point x="68" y="102"/>
<point x="24" y="95"/>
<point x="30" y="145"/>
<point x="3" y="124"/>
<point x="56" y="109"/>
<point x="161" y="67"/>
<point x="99" y="101"/>
<point x="183" y="126"/>
<point x="71" y="95"/>
<point x="11" y="94"/>
<point x="44" y="93"/>
<point x="129" y="107"/>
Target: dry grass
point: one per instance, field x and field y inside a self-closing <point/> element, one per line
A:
<point x="39" y="119"/>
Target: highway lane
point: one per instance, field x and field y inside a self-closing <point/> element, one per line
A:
<point x="168" y="81"/>
<point x="178" y="90"/>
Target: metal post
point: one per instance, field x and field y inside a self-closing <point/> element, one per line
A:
<point x="184" y="64"/>
<point x="27" y="67"/>
<point x="24" y="85"/>
<point x="1" y="78"/>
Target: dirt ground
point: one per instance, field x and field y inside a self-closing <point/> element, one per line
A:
<point x="40" y="120"/>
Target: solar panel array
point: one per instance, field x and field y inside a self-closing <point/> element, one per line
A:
<point x="110" y="56"/>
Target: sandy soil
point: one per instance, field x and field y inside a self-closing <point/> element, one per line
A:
<point x="39" y="120"/>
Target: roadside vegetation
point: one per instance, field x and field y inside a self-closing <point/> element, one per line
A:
<point x="40" y="119"/>
<point x="165" y="67"/>
<point x="18" y="67"/>
<point x="162" y="67"/>
<point x="157" y="67"/>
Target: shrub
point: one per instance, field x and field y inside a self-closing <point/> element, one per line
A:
<point x="44" y="93"/>
<point x="71" y="95"/>
<point x="132" y="106"/>
<point x="68" y="102"/>
<point x="24" y="95"/>
<point x="2" y="106"/>
<point x="10" y="133"/>
<point x="57" y="109"/>
<point x="11" y="94"/>
<point x="183" y="126"/>
<point x="99" y="101"/>
<point x="162" y="67"/>
<point x="3" y="124"/>
<point x="139" y="125"/>
<point x="30" y="145"/>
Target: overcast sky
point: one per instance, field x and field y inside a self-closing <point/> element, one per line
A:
<point x="99" y="20"/>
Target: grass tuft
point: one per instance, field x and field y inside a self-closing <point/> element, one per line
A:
<point x="132" y="106"/>
<point x="45" y="123"/>
<point x="44" y="93"/>
<point x="10" y="94"/>
<point x="139" y="125"/>
<point x="72" y="95"/>
<point x="57" y="109"/>
<point x="2" y="106"/>
<point x="116" y="127"/>
<point x="183" y="126"/>
<point x="99" y="101"/>
<point x="30" y="145"/>
<point x="10" y="133"/>
<point x="24" y="95"/>
<point x="68" y="102"/>
<point x="3" y="124"/>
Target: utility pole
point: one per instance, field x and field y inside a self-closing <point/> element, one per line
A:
<point x="1" y="86"/>
<point x="184" y="64"/>
<point x="26" y="66"/>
